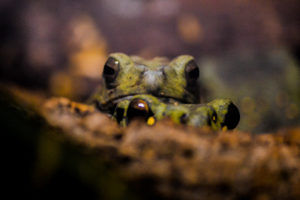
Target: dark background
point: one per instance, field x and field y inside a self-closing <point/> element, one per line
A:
<point x="247" y="50"/>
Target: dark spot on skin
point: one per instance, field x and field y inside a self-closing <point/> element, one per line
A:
<point x="164" y="74"/>
<point x="119" y="114"/>
<point x="155" y="92"/>
<point x="110" y="92"/>
<point x="184" y="118"/>
<point x="208" y="121"/>
<point x="232" y="117"/>
<point x="139" y="81"/>
<point x="158" y="90"/>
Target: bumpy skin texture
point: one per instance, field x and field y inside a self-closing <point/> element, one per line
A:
<point x="218" y="114"/>
<point x="157" y="77"/>
<point x="159" y="88"/>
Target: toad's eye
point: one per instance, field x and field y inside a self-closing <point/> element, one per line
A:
<point x="110" y="71"/>
<point x="138" y="108"/>
<point x="191" y="71"/>
<point x="232" y="117"/>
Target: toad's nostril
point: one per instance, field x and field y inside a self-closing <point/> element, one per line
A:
<point x="232" y="117"/>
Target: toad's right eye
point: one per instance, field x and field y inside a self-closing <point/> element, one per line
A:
<point x="191" y="71"/>
<point x="232" y="117"/>
<point x="110" y="71"/>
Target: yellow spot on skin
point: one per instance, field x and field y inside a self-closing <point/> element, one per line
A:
<point x="151" y="121"/>
<point x="224" y="128"/>
<point x="214" y="118"/>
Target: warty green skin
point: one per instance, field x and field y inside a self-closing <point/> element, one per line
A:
<point x="158" y="77"/>
<point x="166" y="88"/>
<point x="212" y="114"/>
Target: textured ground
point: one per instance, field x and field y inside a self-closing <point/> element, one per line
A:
<point x="184" y="162"/>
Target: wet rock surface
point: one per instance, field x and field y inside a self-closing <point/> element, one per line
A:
<point x="183" y="162"/>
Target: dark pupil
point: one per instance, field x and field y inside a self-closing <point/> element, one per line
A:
<point x="108" y="70"/>
<point x="137" y="109"/>
<point x="232" y="117"/>
<point x="194" y="74"/>
<point x="192" y="71"/>
<point x="120" y="114"/>
<point x="110" y="67"/>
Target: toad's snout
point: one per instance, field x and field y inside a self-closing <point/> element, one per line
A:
<point x="153" y="79"/>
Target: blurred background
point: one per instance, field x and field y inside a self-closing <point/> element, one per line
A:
<point x="247" y="50"/>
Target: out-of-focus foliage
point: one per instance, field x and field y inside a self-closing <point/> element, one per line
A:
<point x="248" y="50"/>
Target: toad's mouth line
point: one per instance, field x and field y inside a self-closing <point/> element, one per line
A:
<point x="113" y="101"/>
<point x="164" y="98"/>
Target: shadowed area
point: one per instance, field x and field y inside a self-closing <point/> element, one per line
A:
<point x="162" y="161"/>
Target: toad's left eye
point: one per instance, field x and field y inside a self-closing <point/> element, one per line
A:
<point x="110" y="71"/>
<point x="138" y="108"/>
<point x="191" y="71"/>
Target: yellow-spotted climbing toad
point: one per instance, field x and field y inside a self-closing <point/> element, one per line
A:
<point x="158" y="88"/>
